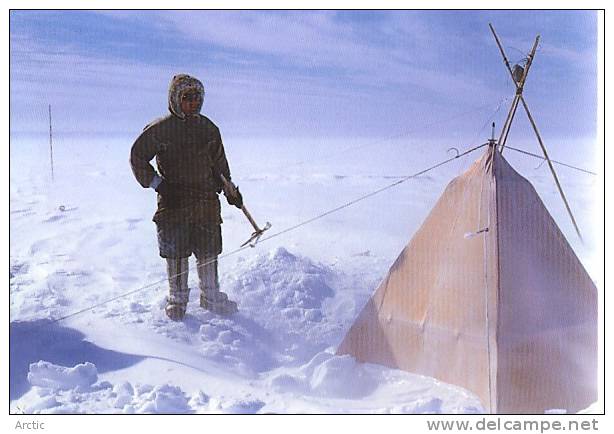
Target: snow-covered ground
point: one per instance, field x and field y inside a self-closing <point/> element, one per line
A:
<point x="87" y="238"/>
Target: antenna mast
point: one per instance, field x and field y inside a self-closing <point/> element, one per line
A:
<point x="492" y="141"/>
<point x="51" y="144"/>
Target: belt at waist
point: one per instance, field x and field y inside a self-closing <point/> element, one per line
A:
<point x="195" y="192"/>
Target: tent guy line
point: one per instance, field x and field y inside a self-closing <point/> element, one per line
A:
<point x="521" y="151"/>
<point x="373" y="193"/>
<point x="284" y="231"/>
<point x="531" y="154"/>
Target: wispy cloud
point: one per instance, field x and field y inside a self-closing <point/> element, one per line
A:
<point x="391" y="51"/>
<point x="267" y="71"/>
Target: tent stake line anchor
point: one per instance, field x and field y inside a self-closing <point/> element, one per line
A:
<point x="474" y="234"/>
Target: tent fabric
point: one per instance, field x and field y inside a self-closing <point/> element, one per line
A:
<point x="488" y="295"/>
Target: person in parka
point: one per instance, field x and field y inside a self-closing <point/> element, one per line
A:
<point x="190" y="158"/>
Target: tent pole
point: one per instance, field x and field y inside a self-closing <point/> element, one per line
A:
<point x="512" y="111"/>
<point x="508" y="120"/>
<point x="519" y="87"/>
<point x="556" y="179"/>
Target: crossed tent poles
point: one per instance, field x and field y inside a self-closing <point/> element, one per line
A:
<point x="518" y="75"/>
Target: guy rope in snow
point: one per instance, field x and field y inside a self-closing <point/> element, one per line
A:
<point x="274" y="235"/>
<point x="296" y="226"/>
<point x="158" y="139"/>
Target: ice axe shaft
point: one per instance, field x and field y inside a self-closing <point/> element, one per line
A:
<point x="250" y="218"/>
<point x="257" y="231"/>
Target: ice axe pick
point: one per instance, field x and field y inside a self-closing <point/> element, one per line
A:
<point x="253" y="240"/>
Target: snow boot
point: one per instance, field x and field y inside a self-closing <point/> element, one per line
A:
<point x="220" y="305"/>
<point x="175" y="312"/>
<point x="211" y="298"/>
<point x="179" y="292"/>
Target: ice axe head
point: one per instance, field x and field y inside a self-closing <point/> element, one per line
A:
<point x="253" y="240"/>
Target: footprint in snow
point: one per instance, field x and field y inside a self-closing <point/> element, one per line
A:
<point x="18" y="268"/>
<point x="54" y="218"/>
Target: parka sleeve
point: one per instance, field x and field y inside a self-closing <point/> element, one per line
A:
<point x="143" y="151"/>
<point x="218" y="156"/>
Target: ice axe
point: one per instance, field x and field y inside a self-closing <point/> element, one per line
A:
<point x="228" y="186"/>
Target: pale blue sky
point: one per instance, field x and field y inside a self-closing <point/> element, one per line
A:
<point x="314" y="74"/>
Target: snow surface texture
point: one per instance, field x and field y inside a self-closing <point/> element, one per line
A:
<point x="87" y="238"/>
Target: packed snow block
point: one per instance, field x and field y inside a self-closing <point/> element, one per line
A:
<point x="342" y="377"/>
<point x="124" y="394"/>
<point x="50" y="376"/>
<point x="488" y="295"/>
<point x="44" y="404"/>
<point x="166" y="399"/>
<point x="246" y="405"/>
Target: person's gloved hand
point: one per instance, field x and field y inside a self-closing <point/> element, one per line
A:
<point x="234" y="197"/>
<point x="169" y="194"/>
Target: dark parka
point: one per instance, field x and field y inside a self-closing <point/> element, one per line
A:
<point x="189" y="155"/>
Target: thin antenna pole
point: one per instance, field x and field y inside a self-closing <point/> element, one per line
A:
<point x="51" y="144"/>
<point x="526" y="108"/>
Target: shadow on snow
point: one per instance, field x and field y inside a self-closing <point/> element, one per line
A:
<point x="31" y="341"/>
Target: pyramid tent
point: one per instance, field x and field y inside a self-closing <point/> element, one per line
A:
<point x="488" y="295"/>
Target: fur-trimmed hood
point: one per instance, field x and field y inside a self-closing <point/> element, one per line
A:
<point x="180" y="84"/>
